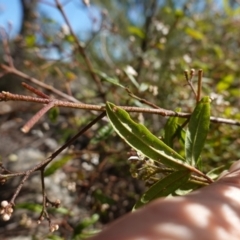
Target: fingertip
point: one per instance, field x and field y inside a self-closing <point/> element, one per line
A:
<point x="224" y="173"/>
<point x="235" y="166"/>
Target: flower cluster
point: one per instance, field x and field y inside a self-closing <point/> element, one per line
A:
<point x="6" y="210"/>
<point x="53" y="227"/>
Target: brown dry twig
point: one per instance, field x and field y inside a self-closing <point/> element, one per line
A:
<point x="80" y="48"/>
<point x="6" y="96"/>
<point x="6" y="47"/>
<point x="12" y="70"/>
<point x="189" y="78"/>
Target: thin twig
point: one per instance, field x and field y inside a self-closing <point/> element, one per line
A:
<point x="26" y="128"/>
<point x="6" y="96"/>
<point x="179" y="129"/>
<point x="189" y="80"/>
<point x="70" y="141"/>
<point x="26" y="176"/>
<point x="80" y="48"/>
<point x="37" y="82"/>
<point x="6" y="47"/>
<point x="41" y="166"/>
<point x="142" y="100"/>
<point x="44" y="212"/>
<point x="199" y="89"/>
<point x="34" y="90"/>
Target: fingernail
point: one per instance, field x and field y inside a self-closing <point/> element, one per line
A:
<point x="235" y="166"/>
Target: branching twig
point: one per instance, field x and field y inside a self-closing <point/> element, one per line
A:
<point x="16" y="72"/>
<point x="189" y="80"/>
<point x="8" y="206"/>
<point x="26" y="128"/>
<point x="142" y="100"/>
<point x="6" y="96"/>
<point x="80" y="48"/>
<point x="26" y="176"/>
<point x="34" y="90"/>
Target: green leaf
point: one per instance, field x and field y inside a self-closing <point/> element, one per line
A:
<point x="179" y="13"/>
<point x="164" y="187"/>
<point x="69" y="38"/>
<point x="181" y="133"/>
<point x="86" y="222"/>
<point x="137" y="32"/>
<point x="102" y="134"/>
<point x="130" y="72"/>
<point x="112" y="80"/>
<point x="225" y="83"/>
<point x="53" y="114"/>
<point x="219" y="52"/>
<point x="214" y="173"/>
<point x="102" y="198"/>
<point x="197" y="131"/>
<point x="170" y="129"/>
<point x="30" y="40"/>
<point x="33" y="207"/>
<point x="194" y="34"/>
<point x="143" y="87"/>
<point x="141" y="139"/>
<point x="56" y="165"/>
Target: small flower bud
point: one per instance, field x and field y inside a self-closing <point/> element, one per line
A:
<point x="54" y="228"/>
<point x="6" y="217"/>
<point x="3" y="180"/>
<point x="4" y="203"/>
<point x="10" y="210"/>
<point x="57" y="203"/>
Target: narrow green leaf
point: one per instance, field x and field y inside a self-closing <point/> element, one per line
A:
<point x="143" y="87"/>
<point x="137" y="31"/>
<point x="181" y="133"/>
<point x="225" y="83"/>
<point x="102" y="134"/>
<point x="215" y="172"/>
<point x="197" y="131"/>
<point x="194" y="33"/>
<point x="56" y="165"/>
<point x="112" y="80"/>
<point x="131" y="73"/>
<point x="140" y="138"/>
<point x="86" y="222"/>
<point x="164" y="187"/>
<point x="102" y="198"/>
<point x="33" y="207"/>
<point x="170" y="129"/>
